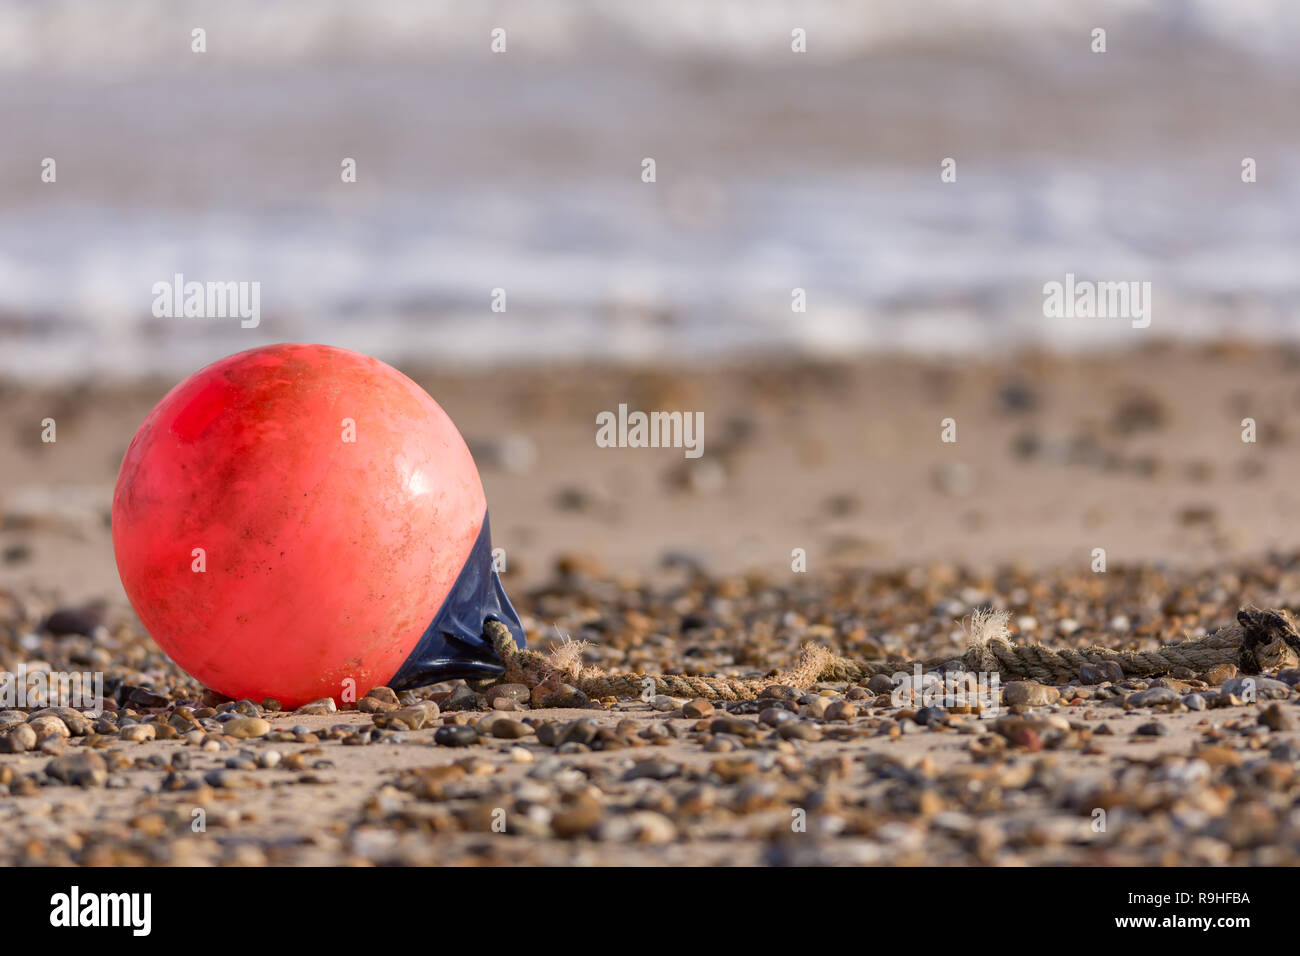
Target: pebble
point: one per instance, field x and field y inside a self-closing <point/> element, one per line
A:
<point x="1154" y="697"/>
<point x="246" y="727"/>
<point x="508" y="729"/>
<point x="82" y="768"/>
<point x="1029" y="694"/>
<point x="46" y="723"/>
<point x="582" y="731"/>
<point x="74" y="721"/>
<point x="929" y="715"/>
<point x="815" y="708"/>
<point x="880" y="684"/>
<point x="1220" y="673"/>
<point x="1104" y="672"/>
<point x="841" y="710"/>
<point x="70" y="620"/>
<point x="19" y="740"/>
<point x="1275" y="718"/>
<point x="455" y="736"/>
<point x="462" y="698"/>
<point x="799" y="730"/>
<point x="318" y="708"/>
<point x="579" y="816"/>
<point x="138" y="733"/>
<point x="145" y="698"/>
<point x="732" y="725"/>
<point x="412" y="718"/>
<point x="513" y="692"/>
<point x="566" y="696"/>
<point x="775" y="716"/>
<point x="697" y="709"/>
<point x="268" y="759"/>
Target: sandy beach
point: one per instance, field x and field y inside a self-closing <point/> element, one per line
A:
<point x="665" y="564"/>
<point x="987" y="324"/>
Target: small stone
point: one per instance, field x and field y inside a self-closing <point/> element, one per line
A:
<point x="1220" y="673"/>
<point x="582" y="731"/>
<point x="1274" y="718"/>
<point x="137" y="733"/>
<point x="271" y="705"/>
<point x="246" y="727"/>
<point x="799" y="730"/>
<point x="268" y="759"/>
<point x="663" y="703"/>
<point x="566" y="695"/>
<point x="697" y="709"/>
<point x="46" y="724"/>
<point x="1029" y="694"/>
<point x="815" y="708"/>
<point x="413" y="718"/>
<point x="144" y="697"/>
<point x="1152" y="729"/>
<point x="733" y="725"/>
<point x="455" y="736"/>
<point x="1155" y="697"/>
<point x="928" y="715"/>
<point x="578" y="817"/>
<point x="74" y="720"/>
<point x="775" y="716"/>
<point x="1025" y="738"/>
<point x="1194" y="702"/>
<point x="19" y="740"/>
<point x="1106" y="672"/>
<point x="462" y="698"/>
<point x="550" y="733"/>
<point x="74" y="620"/>
<point x="82" y="768"/>
<point x="1112" y="671"/>
<point x="513" y="692"/>
<point x="384" y="694"/>
<point x="318" y="708"/>
<point x="842" y="710"/>
<point x="509" y="729"/>
<point x="880" y="684"/>
<point x="1256" y="685"/>
<point x="653" y="770"/>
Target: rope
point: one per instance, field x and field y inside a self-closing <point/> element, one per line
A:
<point x="1258" y="639"/>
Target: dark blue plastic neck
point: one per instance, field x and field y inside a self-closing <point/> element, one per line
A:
<point x="453" y="645"/>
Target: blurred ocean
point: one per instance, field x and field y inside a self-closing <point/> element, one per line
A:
<point x="522" y="171"/>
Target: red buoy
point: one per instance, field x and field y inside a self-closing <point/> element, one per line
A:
<point x="302" y="521"/>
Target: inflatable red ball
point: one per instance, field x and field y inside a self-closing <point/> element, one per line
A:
<point x="302" y="521"/>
